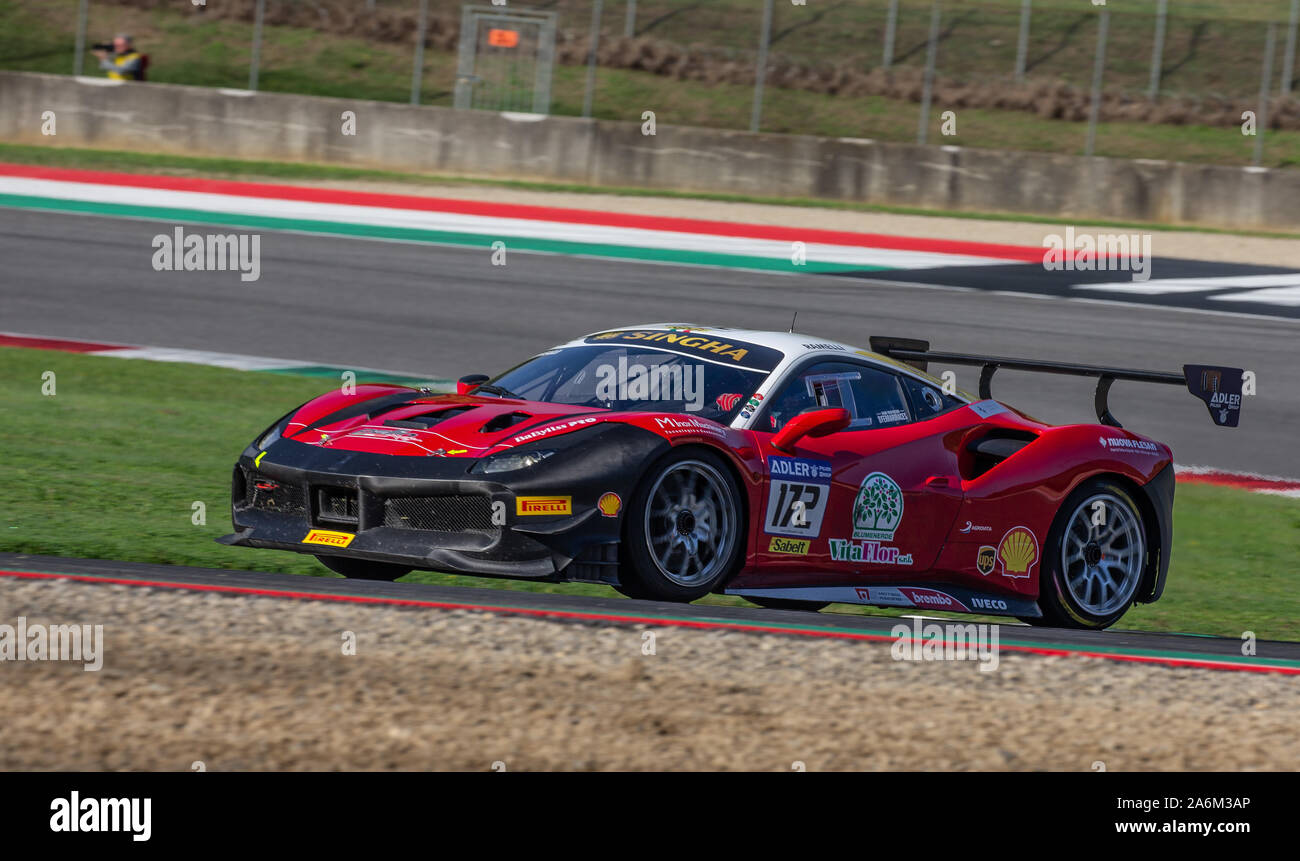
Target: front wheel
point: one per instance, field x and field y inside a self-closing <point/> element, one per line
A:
<point x="1095" y="558"/>
<point x="360" y="569"/>
<point x="683" y="529"/>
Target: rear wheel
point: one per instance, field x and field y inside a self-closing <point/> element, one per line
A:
<point x="683" y="529"/>
<point x="361" y="569"/>
<point x="1095" y="558"/>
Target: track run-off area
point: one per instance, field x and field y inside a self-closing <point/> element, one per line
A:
<point x="1174" y="650"/>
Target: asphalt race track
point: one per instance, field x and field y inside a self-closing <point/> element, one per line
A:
<point x="444" y="312"/>
<point x="585" y="609"/>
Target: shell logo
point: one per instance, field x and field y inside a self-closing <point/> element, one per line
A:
<point x="1018" y="551"/>
<point x="609" y="504"/>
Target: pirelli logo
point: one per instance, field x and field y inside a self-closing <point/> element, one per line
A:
<point x="329" y="539"/>
<point x="793" y="546"/>
<point x="525" y="505"/>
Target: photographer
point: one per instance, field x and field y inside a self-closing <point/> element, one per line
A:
<point x="125" y="64"/>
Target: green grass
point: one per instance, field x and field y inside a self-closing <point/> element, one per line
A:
<point x="112" y="464"/>
<point x="177" y="165"/>
<point x="36" y="35"/>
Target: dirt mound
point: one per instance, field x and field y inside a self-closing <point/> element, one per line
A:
<point x="713" y="66"/>
<point x="246" y="683"/>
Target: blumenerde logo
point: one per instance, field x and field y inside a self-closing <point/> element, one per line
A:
<point x="525" y="505"/>
<point x="878" y="509"/>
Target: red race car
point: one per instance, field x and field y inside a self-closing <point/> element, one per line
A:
<point x="670" y="461"/>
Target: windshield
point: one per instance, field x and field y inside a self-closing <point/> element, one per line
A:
<point x="634" y="377"/>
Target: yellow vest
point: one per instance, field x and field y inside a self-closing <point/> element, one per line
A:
<point x="121" y="60"/>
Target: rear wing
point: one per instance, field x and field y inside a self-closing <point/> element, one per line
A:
<point x="1219" y="387"/>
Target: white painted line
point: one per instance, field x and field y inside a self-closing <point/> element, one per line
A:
<point x="1213" y="312"/>
<point x="1017" y="294"/>
<point x="1161" y="286"/>
<point x="199" y="357"/>
<point x="1269" y="296"/>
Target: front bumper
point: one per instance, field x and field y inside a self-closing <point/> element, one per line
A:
<point x="431" y="513"/>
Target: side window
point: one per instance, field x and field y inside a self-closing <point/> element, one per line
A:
<point x="927" y="400"/>
<point x="874" y="398"/>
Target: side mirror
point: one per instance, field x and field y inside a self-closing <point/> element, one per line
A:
<point x="817" y="423"/>
<point x="470" y="382"/>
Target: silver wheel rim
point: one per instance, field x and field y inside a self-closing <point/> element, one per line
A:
<point x="690" y="523"/>
<point x="1102" y="562"/>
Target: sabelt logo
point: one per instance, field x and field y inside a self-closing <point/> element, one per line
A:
<point x="543" y="505"/>
<point x="329" y="539"/>
<point x="793" y="546"/>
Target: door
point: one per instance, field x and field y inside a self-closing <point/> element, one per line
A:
<point x="873" y="501"/>
<point x="505" y="59"/>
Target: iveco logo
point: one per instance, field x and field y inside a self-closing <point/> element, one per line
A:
<point x="988" y="604"/>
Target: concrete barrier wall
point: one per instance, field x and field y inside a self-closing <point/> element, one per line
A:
<point x="198" y="121"/>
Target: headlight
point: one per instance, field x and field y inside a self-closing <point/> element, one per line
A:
<point x="265" y="440"/>
<point x="510" y="461"/>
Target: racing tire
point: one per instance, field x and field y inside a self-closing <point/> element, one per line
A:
<point x="1095" y="558"/>
<point x="361" y="569"/>
<point x="788" y="604"/>
<point x="684" y="530"/>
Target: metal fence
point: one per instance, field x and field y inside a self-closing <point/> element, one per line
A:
<point x="805" y="65"/>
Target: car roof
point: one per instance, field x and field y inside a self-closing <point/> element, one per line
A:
<point x="795" y="346"/>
